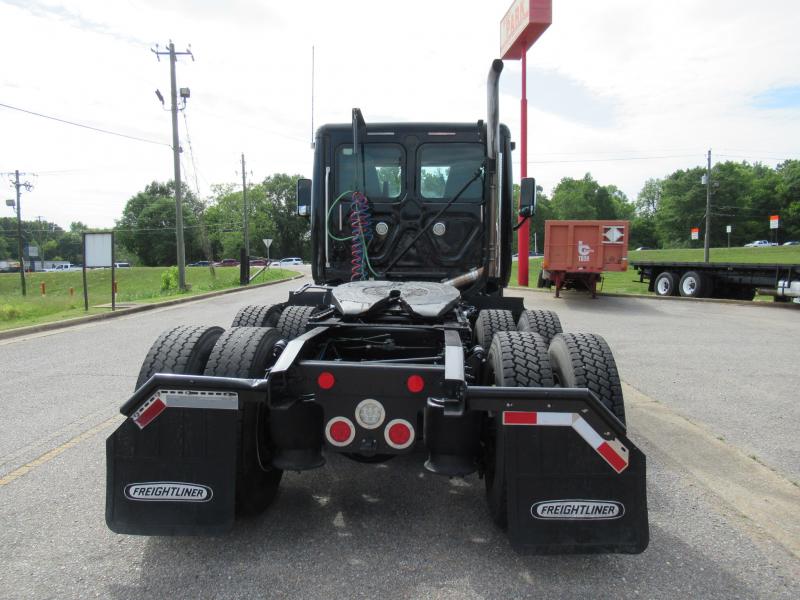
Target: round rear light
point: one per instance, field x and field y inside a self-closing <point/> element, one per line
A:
<point x="370" y="413"/>
<point x="415" y="384"/>
<point x="399" y="434"/>
<point x="340" y="431"/>
<point x="326" y="380"/>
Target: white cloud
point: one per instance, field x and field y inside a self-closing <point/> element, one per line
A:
<point x="678" y="77"/>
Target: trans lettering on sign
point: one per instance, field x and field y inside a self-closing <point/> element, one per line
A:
<point x="578" y="509"/>
<point x="167" y="491"/>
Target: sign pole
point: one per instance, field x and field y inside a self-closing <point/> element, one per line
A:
<point x="523" y="235"/>
<point x="85" y="290"/>
<point x="113" y="277"/>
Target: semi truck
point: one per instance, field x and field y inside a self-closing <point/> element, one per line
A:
<point x="404" y="344"/>
<point x="737" y="281"/>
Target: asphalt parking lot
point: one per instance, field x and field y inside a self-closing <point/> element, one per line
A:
<point x="711" y="390"/>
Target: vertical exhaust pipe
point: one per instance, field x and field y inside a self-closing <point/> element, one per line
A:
<point x="492" y="153"/>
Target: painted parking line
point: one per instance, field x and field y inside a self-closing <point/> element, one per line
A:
<point x="57" y="451"/>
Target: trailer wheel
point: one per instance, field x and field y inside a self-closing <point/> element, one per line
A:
<point x="492" y="321"/>
<point x="664" y="284"/>
<point x="247" y="352"/>
<point x="258" y="315"/>
<point x="182" y="350"/>
<point x="294" y="319"/>
<point x="695" y="285"/>
<point x="516" y="359"/>
<point x="584" y="360"/>
<point x="544" y="322"/>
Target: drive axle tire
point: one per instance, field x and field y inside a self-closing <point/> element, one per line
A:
<point x="515" y="359"/>
<point x="182" y="350"/>
<point x="695" y="285"/>
<point x="664" y="284"/>
<point x="584" y="360"/>
<point x="247" y="352"/>
<point x="294" y="320"/>
<point x="492" y="321"/>
<point x="544" y="322"/>
<point x="258" y="315"/>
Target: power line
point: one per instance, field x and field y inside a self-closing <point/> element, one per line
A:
<point x="99" y="130"/>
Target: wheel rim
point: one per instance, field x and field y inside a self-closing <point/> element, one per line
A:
<point x="663" y="286"/>
<point x="689" y="286"/>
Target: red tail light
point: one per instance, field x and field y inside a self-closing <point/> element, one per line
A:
<point x="415" y="384"/>
<point x="399" y="434"/>
<point x="326" y="380"/>
<point x="340" y="431"/>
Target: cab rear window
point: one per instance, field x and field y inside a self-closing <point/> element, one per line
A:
<point x="382" y="170"/>
<point x="446" y="168"/>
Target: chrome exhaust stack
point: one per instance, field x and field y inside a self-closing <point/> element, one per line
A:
<point x="492" y="153"/>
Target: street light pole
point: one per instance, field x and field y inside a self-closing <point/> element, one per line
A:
<point x="707" y="243"/>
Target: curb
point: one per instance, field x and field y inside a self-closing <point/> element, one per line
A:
<point x="783" y="305"/>
<point x="21" y="331"/>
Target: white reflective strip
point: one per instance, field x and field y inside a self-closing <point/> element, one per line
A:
<point x="586" y="432"/>
<point x="556" y="419"/>
<point x="200" y="399"/>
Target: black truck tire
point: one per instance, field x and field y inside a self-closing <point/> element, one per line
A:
<point x="183" y="350"/>
<point x="584" y="360"/>
<point x="492" y="321"/>
<point x="258" y="315"/>
<point x="665" y="284"/>
<point x="294" y="320"/>
<point x="515" y="359"/>
<point x="247" y="352"/>
<point x="695" y="285"/>
<point x="544" y="322"/>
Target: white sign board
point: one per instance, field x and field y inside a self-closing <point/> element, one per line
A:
<point x="98" y="249"/>
<point x="695" y="233"/>
<point x="267" y="243"/>
<point x="728" y="228"/>
<point x="774" y="222"/>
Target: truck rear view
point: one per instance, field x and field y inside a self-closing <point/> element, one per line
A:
<point x="404" y="344"/>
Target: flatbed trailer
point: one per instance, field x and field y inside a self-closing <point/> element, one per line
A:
<point x="739" y="281"/>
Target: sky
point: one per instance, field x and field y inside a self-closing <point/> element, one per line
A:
<point x="624" y="89"/>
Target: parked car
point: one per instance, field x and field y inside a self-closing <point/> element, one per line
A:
<point x="640" y="248"/>
<point x="122" y="265"/>
<point x="758" y="244"/>
<point x="199" y="263"/>
<point x="791" y="243"/>
<point x="63" y="268"/>
<point x="258" y="262"/>
<point x="227" y="262"/>
<point x="288" y="262"/>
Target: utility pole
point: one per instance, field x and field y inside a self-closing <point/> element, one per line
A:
<point x="27" y="185"/>
<point x="176" y="158"/>
<point x="246" y="211"/>
<point x="707" y="243"/>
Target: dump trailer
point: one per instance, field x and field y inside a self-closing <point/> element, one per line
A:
<point x="577" y="253"/>
<point x="736" y="281"/>
<point x="404" y="344"/>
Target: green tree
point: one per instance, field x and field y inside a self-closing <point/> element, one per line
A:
<point x="147" y="226"/>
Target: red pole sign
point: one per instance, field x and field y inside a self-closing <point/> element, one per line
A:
<point x="521" y="26"/>
<point x="774" y="221"/>
<point x="695" y="233"/>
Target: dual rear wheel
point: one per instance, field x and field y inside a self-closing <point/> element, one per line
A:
<point x="526" y="358"/>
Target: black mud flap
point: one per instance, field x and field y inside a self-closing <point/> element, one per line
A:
<point x="573" y="486"/>
<point x="171" y="466"/>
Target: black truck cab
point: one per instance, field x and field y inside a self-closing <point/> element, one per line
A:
<point x="414" y="226"/>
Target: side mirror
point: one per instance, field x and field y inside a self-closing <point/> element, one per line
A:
<point x="527" y="197"/>
<point x="304" y="197"/>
